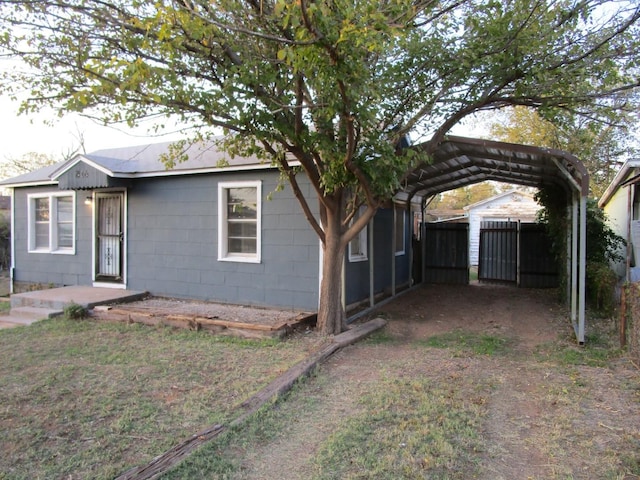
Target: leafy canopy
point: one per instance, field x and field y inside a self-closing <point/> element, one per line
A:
<point x="601" y="146"/>
<point x="333" y="84"/>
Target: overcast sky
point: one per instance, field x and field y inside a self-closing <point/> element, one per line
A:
<point x="46" y="133"/>
<point x="22" y="134"/>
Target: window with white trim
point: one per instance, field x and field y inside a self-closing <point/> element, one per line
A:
<point x="239" y="221"/>
<point x="400" y="229"/>
<point x="358" y="245"/>
<point x="51" y="224"/>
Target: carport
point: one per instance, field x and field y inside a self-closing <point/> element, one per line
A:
<point x="460" y="161"/>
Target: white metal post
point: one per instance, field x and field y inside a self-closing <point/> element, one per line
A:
<point x="583" y="269"/>
<point x="371" y="264"/>
<point x="574" y="260"/>
<point x="393" y="253"/>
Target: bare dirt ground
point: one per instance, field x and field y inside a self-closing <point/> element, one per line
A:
<point x="543" y="419"/>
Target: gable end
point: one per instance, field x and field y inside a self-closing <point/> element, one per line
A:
<point x="83" y="176"/>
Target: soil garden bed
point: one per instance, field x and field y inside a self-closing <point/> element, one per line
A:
<point x="220" y="319"/>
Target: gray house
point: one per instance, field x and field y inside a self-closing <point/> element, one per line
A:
<point x="211" y="228"/>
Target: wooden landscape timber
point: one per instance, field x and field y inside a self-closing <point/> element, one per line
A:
<point x="276" y="388"/>
<point x="213" y="325"/>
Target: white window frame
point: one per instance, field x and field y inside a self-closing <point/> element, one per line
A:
<point x="53" y="247"/>
<point x="400" y="216"/>
<point x="362" y="238"/>
<point x="223" y="225"/>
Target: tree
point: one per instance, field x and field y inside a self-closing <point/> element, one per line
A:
<point x="13" y="166"/>
<point x="332" y="84"/>
<point x="461" y="197"/>
<point x="603" y="244"/>
<point x="30" y="161"/>
<point x="601" y="145"/>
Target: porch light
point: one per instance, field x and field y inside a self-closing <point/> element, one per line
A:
<point x="88" y="200"/>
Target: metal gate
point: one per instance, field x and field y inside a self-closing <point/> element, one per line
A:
<point x="446" y="253"/>
<point x="519" y="253"/>
<point x="498" y="257"/>
<point x="538" y="266"/>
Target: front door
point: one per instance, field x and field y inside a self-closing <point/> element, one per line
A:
<point x="109" y="237"/>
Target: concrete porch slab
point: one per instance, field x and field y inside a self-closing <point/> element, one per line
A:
<point x="88" y="297"/>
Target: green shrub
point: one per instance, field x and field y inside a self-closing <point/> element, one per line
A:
<point x="601" y="285"/>
<point x="603" y="245"/>
<point x="73" y="311"/>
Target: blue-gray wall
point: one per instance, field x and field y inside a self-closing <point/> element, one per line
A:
<point x="46" y="268"/>
<point x="172" y="244"/>
<point x="357" y="276"/>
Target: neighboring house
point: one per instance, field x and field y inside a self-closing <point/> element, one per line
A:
<point x="211" y="228"/>
<point x="511" y="206"/>
<point x="621" y="204"/>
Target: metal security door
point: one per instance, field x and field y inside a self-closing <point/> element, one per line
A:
<point x="109" y="236"/>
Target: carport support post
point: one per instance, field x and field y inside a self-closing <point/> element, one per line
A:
<point x="574" y="264"/>
<point x="393" y="253"/>
<point x="583" y="267"/>
<point x="371" y="265"/>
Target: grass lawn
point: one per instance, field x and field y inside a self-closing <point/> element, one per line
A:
<point x="81" y="399"/>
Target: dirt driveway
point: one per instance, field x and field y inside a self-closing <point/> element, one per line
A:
<point x="543" y="418"/>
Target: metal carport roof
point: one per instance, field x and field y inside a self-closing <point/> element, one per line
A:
<point x="461" y="161"/>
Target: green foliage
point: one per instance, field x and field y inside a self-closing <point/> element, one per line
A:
<point x="600" y="348"/>
<point x="469" y="343"/>
<point x="601" y="286"/>
<point x="410" y="428"/>
<point x="5" y="243"/>
<point x="73" y="311"/>
<point x="461" y="197"/>
<point x="601" y="146"/>
<point x="333" y="86"/>
<point x="603" y="244"/>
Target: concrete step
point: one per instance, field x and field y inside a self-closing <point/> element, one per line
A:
<point x="7" y="321"/>
<point x="26" y="316"/>
<point x="34" y="313"/>
<point x="23" y="301"/>
<point x="88" y="297"/>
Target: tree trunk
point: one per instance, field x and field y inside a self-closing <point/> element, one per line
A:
<point x="331" y="315"/>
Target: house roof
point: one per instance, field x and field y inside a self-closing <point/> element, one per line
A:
<point x="621" y="179"/>
<point x="457" y="162"/>
<point x="41" y="176"/>
<point x="143" y="161"/>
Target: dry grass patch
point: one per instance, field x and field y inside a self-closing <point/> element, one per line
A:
<point x="80" y="399"/>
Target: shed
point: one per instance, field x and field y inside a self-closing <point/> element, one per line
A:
<point x="511" y="206"/>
